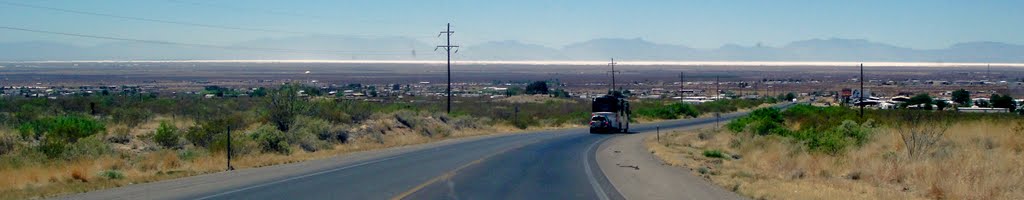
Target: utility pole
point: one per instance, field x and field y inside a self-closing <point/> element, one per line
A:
<point x="718" y="93"/>
<point x="861" y="96"/>
<point x="612" y="64"/>
<point x="448" y="49"/>
<point x="681" y="83"/>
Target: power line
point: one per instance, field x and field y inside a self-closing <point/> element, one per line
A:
<point x="155" y="20"/>
<point x="310" y="51"/>
<point x="235" y="8"/>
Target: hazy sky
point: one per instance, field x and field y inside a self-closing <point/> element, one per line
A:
<point x="701" y="24"/>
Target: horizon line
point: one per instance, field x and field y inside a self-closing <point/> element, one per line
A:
<point x="569" y="62"/>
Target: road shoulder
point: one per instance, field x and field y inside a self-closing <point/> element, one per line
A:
<point x="637" y="174"/>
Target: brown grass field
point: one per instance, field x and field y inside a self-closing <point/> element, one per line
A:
<point x="974" y="160"/>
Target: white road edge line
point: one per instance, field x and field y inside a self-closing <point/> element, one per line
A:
<point x="303" y="176"/>
<point x="590" y="174"/>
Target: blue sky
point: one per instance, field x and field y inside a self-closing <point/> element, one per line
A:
<point x="700" y="24"/>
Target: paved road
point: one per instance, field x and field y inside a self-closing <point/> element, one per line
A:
<point x="557" y="164"/>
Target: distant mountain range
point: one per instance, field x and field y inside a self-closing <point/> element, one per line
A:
<point x="401" y="48"/>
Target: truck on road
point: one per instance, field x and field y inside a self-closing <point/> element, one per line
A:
<point x="609" y="114"/>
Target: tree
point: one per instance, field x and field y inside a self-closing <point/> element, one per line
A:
<point x="941" y="104"/>
<point x="259" y="92"/>
<point x="919" y="99"/>
<point x="560" y="93"/>
<point x="1003" y="101"/>
<point x="962" y="97"/>
<point x="283" y="105"/>
<point x="537" y="87"/>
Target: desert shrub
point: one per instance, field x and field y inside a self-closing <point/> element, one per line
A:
<point x="921" y="134"/>
<point x="240" y="144"/>
<point x="7" y="143"/>
<point x="167" y="135"/>
<point x="85" y="148"/>
<point x="330" y="110"/>
<point x="69" y="128"/>
<point x="202" y="135"/>
<point x="524" y="122"/>
<point x="269" y="139"/>
<point x="860" y="133"/>
<point x="828" y="130"/>
<point x="435" y="130"/>
<point x="306" y="132"/>
<point x="120" y="135"/>
<point x="339" y="134"/>
<point x="111" y="174"/>
<point x="830" y="142"/>
<point x="190" y="154"/>
<point x="53" y="149"/>
<point x="130" y="116"/>
<point x="714" y="153"/>
<point x="89" y="147"/>
<point x="466" y="122"/>
<point x="408" y="118"/>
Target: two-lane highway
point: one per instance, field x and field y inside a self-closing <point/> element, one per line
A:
<point x="556" y="164"/>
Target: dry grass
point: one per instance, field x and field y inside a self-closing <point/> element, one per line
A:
<point x="974" y="160"/>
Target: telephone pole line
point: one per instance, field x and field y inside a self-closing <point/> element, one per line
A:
<point x="448" y="49"/>
<point x="612" y="64"/>
<point x="718" y="92"/>
<point x="681" y="76"/>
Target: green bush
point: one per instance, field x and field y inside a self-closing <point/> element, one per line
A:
<point x="831" y="142"/>
<point x="53" y="149"/>
<point x="860" y="133"/>
<point x="670" y="111"/>
<point x="167" y="135"/>
<point x="762" y="121"/>
<point x="822" y="129"/>
<point x="714" y="153"/>
<point x="269" y="139"/>
<point x="112" y="174"/>
<point x="68" y="128"/>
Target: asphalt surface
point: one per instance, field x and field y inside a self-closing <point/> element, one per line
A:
<point x="556" y="164"/>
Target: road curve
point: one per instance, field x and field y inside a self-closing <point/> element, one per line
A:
<point x="554" y="164"/>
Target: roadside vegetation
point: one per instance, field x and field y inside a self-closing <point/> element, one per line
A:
<point x="808" y="152"/>
<point x="661" y="109"/>
<point x="81" y="143"/>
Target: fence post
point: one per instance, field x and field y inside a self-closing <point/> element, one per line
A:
<point x="229" y="150"/>
<point x="658" y="133"/>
